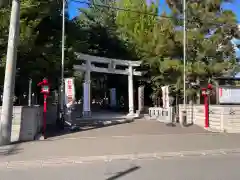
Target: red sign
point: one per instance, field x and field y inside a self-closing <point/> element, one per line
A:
<point x="70" y="87"/>
<point x="45" y="86"/>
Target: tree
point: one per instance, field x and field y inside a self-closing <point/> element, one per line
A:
<point x="209" y="34"/>
<point x="98" y="22"/>
<point x="39" y="50"/>
<point x="210" y="29"/>
<point x="154" y="40"/>
<point x="136" y="25"/>
<point x="101" y="36"/>
<point x="4" y="22"/>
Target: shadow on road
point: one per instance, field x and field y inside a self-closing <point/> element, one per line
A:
<point x="53" y="131"/>
<point x="175" y="125"/>
<point x="10" y="149"/>
<point x="123" y="173"/>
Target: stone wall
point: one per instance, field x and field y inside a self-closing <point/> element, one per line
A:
<point x="28" y="121"/>
<point x="195" y="114"/>
<point x="51" y="114"/>
<point x="221" y="117"/>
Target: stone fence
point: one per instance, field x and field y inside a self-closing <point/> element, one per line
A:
<point x="27" y="121"/>
<point x="161" y="114"/>
<point x="225" y="118"/>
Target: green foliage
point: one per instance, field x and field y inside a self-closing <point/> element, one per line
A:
<point x="138" y="28"/>
<point x="39" y="50"/>
<point x="137" y="32"/>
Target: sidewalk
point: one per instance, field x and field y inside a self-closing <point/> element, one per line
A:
<point x="100" y="142"/>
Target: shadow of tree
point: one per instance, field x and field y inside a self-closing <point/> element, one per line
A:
<point x="52" y="131"/>
<point x="10" y="149"/>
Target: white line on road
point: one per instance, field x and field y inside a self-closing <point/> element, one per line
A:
<point x="63" y="161"/>
<point x="132" y="135"/>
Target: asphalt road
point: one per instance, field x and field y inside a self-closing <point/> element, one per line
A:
<point x="212" y="167"/>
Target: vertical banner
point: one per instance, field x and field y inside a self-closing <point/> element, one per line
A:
<point x="165" y="96"/>
<point x="69" y="92"/>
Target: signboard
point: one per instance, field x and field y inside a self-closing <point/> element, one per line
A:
<point x="229" y="95"/>
<point x="69" y="92"/>
<point x="45" y="89"/>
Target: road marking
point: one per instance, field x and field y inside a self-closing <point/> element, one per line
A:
<point x="132" y="135"/>
<point x="223" y="152"/>
<point x="63" y="161"/>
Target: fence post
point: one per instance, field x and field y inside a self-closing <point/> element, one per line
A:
<point x="221" y="121"/>
<point x="170" y="115"/>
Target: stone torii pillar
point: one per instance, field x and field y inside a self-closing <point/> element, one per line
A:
<point x="130" y="91"/>
<point x="87" y="92"/>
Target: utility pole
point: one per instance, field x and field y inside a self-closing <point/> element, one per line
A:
<point x="184" y="112"/>
<point x="63" y="56"/>
<point x="184" y="52"/>
<point x="10" y="70"/>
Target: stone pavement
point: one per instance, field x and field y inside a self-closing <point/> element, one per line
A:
<point x="140" y="138"/>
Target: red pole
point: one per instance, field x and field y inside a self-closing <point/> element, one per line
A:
<point x="44" y="116"/>
<point x="206" y="111"/>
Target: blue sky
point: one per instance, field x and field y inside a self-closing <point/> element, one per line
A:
<point x="73" y="7"/>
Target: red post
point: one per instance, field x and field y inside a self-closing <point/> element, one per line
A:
<point x="45" y="92"/>
<point x="205" y="92"/>
<point x="44" y="116"/>
<point x="206" y="111"/>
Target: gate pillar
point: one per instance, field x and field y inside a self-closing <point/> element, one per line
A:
<point x="87" y="94"/>
<point x="130" y="91"/>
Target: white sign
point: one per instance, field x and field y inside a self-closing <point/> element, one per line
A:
<point x="229" y="95"/>
<point x="69" y="92"/>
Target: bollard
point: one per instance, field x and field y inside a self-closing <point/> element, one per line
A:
<point x="184" y="118"/>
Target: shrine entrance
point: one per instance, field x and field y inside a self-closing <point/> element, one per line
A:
<point x="91" y="65"/>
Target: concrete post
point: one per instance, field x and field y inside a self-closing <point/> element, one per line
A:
<point x="141" y="98"/>
<point x="113" y="98"/>
<point x="10" y="71"/>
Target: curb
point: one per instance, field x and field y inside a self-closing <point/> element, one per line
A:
<point x="214" y="130"/>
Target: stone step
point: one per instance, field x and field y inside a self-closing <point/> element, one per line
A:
<point x="14" y="136"/>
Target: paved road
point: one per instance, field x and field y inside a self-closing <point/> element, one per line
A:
<point x="101" y="146"/>
<point x="133" y="138"/>
<point x="149" y="150"/>
<point x="210" y="167"/>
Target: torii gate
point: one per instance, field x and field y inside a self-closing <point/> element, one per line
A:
<point x="113" y="68"/>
